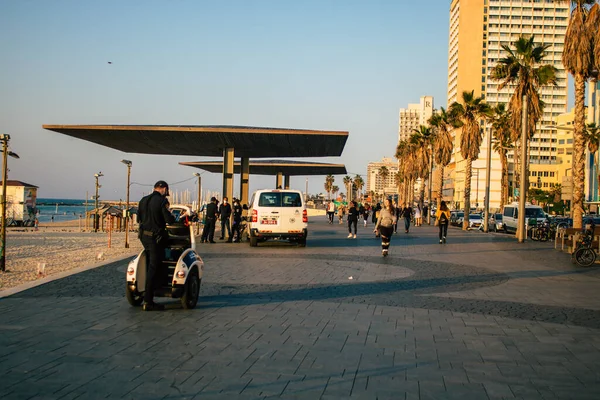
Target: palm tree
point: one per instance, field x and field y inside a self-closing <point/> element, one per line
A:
<point x="329" y="179"/>
<point x="398" y="180"/>
<point x="502" y="144"/>
<point x="522" y="69"/>
<point x="358" y="183"/>
<point x="468" y="114"/>
<point x="442" y="123"/>
<point x="422" y="140"/>
<point x="578" y="59"/>
<point x="348" y="183"/>
<point x="384" y="172"/>
<point x="592" y="138"/>
<point x="335" y="189"/>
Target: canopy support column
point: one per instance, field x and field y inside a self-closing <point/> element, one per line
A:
<point x="286" y="182"/>
<point x="244" y="179"/>
<point x="279" y="180"/>
<point x="227" y="173"/>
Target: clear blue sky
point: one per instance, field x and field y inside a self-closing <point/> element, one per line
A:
<point x="333" y="65"/>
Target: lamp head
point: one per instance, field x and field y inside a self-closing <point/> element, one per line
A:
<point x="99" y="174"/>
<point x="126" y="162"/>
<point x="196" y="174"/>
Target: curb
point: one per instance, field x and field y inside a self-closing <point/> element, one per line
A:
<point x="60" y="275"/>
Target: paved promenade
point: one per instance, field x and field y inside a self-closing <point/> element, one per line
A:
<point x="481" y="317"/>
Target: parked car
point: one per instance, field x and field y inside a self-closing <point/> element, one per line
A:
<point x="511" y="216"/>
<point x="495" y="222"/>
<point x="475" y="221"/>
<point x="456" y="218"/>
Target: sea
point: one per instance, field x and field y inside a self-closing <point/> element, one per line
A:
<point x="61" y="209"/>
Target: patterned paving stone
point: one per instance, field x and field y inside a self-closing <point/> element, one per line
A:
<point x="481" y="317"/>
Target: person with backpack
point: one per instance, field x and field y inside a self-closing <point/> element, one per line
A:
<point x="443" y="219"/>
<point x="385" y="225"/>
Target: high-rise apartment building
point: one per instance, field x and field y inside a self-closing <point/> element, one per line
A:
<point x="478" y="29"/>
<point x="414" y="116"/>
<point x="376" y="182"/>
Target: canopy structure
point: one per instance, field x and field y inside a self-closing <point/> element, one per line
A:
<point x="282" y="169"/>
<point x="212" y="141"/>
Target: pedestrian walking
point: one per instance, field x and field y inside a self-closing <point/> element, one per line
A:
<point x="375" y="210"/>
<point x="154" y="215"/>
<point x="330" y="211"/>
<point x="210" y="217"/>
<point x="366" y="214"/>
<point x="425" y="213"/>
<point x="442" y="217"/>
<point x="341" y="211"/>
<point x="224" y="215"/>
<point x="407" y="212"/>
<point x="418" y="220"/>
<point x="385" y="225"/>
<point x="352" y="219"/>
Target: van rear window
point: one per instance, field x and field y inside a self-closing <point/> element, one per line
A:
<point x="280" y="199"/>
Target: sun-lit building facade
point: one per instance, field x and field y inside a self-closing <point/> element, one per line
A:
<point x="478" y="29"/>
<point x="375" y="181"/>
<point x="414" y="116"/>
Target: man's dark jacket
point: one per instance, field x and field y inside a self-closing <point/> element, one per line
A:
<point x="153" y="213"/>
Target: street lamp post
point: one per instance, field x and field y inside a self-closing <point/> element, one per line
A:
<point x="128" y="163"/>
<point x="197" y="174"/>
<point x="4" y="138"/>
<point x="522" y="233"/>
<point x="96" y="219"/>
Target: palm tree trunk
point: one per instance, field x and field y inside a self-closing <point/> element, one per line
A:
<point x="422" y="193"/>
<point x="440" y="186"/>
<point x="468" y="173"/>
<point x="578" y="152"/>
<point x="516" y="158"/>
<point x="504" y="192"/>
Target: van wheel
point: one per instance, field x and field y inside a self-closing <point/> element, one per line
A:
<point x="133" y="297"/>
<point x="191" y="291"/>
<point x="253" y="241"/>
<point x="302" y="242"/>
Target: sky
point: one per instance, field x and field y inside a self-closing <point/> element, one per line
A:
<point x="333" y="65"/>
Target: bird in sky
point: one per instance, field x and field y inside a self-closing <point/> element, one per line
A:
<point x="110" y="62"/>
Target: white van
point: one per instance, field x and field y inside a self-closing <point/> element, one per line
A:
<point x="510" y="215"/>
<point x="277" y="214"/>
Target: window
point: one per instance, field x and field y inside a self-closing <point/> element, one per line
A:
<point x="280" y="199"/>
<point x="569" y="141"/>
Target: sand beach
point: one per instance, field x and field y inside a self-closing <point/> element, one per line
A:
<point x="62" y="247"/>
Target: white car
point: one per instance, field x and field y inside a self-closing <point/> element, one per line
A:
<point x="475" y="221"/>
<point x="185" y="267"/>
<point x="277" y="214"/>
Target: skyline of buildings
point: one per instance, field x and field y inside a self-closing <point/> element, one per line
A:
<point x="473" y="50"/>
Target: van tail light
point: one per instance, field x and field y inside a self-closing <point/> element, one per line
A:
<point x="254" y="216"/>
<point x="304" y="216"/>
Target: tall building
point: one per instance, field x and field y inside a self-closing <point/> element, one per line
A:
<point x="414" y="116"/>
<point x="478" y="29"/>
<point x="375" y="181"/>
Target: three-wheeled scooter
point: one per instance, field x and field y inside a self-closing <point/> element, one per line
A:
<point x="182" y="276"/>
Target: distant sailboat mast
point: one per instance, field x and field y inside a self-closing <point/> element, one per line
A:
<point x="56" y="212"/>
